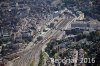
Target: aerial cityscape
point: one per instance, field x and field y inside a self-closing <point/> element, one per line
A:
<point x="49" y="32"/>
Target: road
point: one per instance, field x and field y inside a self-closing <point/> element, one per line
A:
<point x="26" y="57"/>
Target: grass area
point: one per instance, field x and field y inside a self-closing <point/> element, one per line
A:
<point x="56" y="55"/>
<point x="41" y="59"/>
<point x="32" y="63"/>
